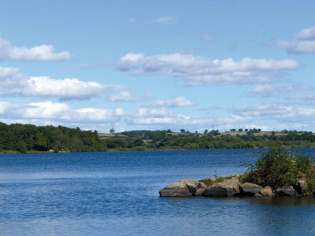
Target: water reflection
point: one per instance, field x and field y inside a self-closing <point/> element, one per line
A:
<point x="286" y="201"/>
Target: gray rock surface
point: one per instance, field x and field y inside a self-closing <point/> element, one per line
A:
<point x="227" y="188"/>
<point x="250" y="189"/>
<point x="183" y="188"/>
<point x="265" y="192"/>
<point x="286" y="191"/>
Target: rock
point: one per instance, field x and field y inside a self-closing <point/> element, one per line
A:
<point x="265" y="192"/>
<point x="183" y="188"/>
<point x="200" y="191"/>
<point x="286" y="191"/>
<point x="227" y="188"/>
<point x="197" y="189"/>
<point x="301" y="186"/>
<point x="249" y="189"/>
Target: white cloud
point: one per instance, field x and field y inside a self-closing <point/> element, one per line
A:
<point x="276" y="117"/>
<point x="276" y="111"/>
<point x="6" y="72"/>
<point x="123" y="96"/>
<point x="42" y="52"/>
<point x="166" y="20"/>
<point x="152" y="117"/>
<point x="3" y="107"/>
<point x="264" y="89"/>
<point x="162" y="118"/>
<point x="65" y="88"/>
<point x="47" y="110"/>
<point x="268" y="117"/>
<point x="15" y="83"/>
<point x="294" y="92"/>
<point x="200" y="70"/>
<point x="303" y="42"/>
<point x="179" y="101"/>
<point x="58" y="112"/>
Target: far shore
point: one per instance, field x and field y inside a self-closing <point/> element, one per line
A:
<point x="8" y="152"/>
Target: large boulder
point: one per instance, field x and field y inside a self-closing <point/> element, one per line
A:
<point x="250" y="189"/>
<point x="265" y="192"/>
<point x="286" y="191"/>
<point x="227" y="188"/>
<point x="301" y="187"/>
<point x="183" y="188"/>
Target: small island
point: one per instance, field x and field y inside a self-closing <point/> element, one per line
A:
<point x="277" y="173"/>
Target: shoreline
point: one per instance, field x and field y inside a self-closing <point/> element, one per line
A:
<point x="8" y="152"/>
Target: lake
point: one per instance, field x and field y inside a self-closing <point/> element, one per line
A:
<point x="117" y="194"/>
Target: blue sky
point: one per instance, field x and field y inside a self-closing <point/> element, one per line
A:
<point x="158" y="64"/>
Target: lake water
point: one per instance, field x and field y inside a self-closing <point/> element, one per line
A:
<point x="117" y="194"/>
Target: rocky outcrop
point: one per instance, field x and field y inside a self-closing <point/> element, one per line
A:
<point x="183" y="188"/>
<point x="265" y="192"/>
<point x="288" y="191"/>
<point x="249" y="189"/>
<point x="230" y="187"/>
<point x="227" y="188"/>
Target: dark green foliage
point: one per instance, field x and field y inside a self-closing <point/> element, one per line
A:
<point x="28" y="138"/>
<point x="279" y="168"/>
<point x="25" y="138"/>
<point x="210" y="139"/>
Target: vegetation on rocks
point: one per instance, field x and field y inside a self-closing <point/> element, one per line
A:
<point x="279" y="168"/>
<point x="277" y="173"/>
<point x="216" y="180"/>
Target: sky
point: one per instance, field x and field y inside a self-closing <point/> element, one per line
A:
<point x="130" y="65"/>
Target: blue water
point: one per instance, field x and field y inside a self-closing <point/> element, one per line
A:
<point x="117" y="194"/>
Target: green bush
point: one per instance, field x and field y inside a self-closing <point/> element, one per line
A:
<point x="279" y="168"/>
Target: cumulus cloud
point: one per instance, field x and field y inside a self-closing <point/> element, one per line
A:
<point x="43" y="52"/>
<point x="161" y="117"/>
<point x="179" y="101"/>
<point x="122" y="96"/>
<point x="267" y="117"/>
<point x="58" y="112"/>
<point x="275" y="116"/>
<point x="264" y="89"/>
<point x="280" y="111"/>
<point x="3" y="107"/>
<point x="15" y="83"/>
<point x="294" y="92"/>
<point x="71" y="88"/>
<point x="303" y="42"/>
<point x="166" y="20"/>
<point x="200" y="70"/>
<point x="6" y="72"/>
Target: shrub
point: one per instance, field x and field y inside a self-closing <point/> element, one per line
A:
<point x="279" y="168"/>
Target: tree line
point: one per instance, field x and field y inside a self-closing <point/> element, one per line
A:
<point x="27" y="138"/>
<point x="30" y="138"/>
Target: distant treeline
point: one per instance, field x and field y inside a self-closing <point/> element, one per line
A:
<point x="253" y="138"/>
<point x="30" y="138"/>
